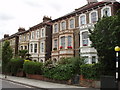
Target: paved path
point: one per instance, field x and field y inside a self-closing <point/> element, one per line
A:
<point x="42" y="84"/>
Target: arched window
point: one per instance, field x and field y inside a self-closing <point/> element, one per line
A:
<point x="106" y="11"/>
<point x="55" y="28"/>
<point x="93" y="17"/>
<point x="63" y="25"/>
<point x="82" y="19"/>
<point x="71" y="23"/>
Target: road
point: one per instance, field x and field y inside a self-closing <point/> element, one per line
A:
<point x="7" y="85"/>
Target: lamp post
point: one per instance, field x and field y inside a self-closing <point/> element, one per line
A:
<point x="117" y="49"/>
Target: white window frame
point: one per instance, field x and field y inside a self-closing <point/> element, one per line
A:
<point x="90" y="16"/>
<point x="69" y="42"/>
<point x="61" y="25"/>
<point x="35" y="48"/>
<point x="37" y="34"/>
<point x="32" y="35"/>
<point x="102" y="14"/>
<point x="70" y="23"/>
<point x="62" y="43"/>
<point x="55" y="44"/>
<point x="31" y="47"/>
<point x="55" y="31"/>
<point x="42" y="47"/>
<point x="42" y="33"/>
<point x="80" y="19"/>
<point x="86" y="39"/>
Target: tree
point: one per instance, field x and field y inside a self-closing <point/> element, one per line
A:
<point x="6" y="54"/>
<point x="105" y="37"/>
<point x="23" y="53"/>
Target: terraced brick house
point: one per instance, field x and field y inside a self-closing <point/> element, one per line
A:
<point x="65" y="36"/>
<point x="23" y="39"/>
<point x="88" y="17"/>
<point x="40" y="40"/>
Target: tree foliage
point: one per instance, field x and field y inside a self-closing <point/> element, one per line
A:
<point x="23" y="53"/>
<point x="6" y="54"/>
<point x="105" y="37"/>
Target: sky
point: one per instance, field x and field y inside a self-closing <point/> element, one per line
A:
<point x="27" y="13"/>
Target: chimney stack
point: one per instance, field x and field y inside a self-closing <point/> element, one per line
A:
<point x="92" y="1"/>
<point x="6" y="35"/>
<point x="21" y="29"/>
<point x="46" y="18"/>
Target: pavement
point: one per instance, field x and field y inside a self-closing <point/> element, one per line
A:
<point x="41" y="84"/>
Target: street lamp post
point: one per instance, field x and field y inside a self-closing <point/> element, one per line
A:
<point x="117" y="49"/>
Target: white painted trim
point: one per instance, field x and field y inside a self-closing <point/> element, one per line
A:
<point x="91" y="13"/>
<point x="79" y="18"/>
<point x="61" y="24"/>
<point x="69" y="23"/>
<point x="54" y="27"/>
<point x="105" y="8"/>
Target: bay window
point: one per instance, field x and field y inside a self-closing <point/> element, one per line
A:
<point x="35" y="48"/>
<point x="63" y="42"/>
<point x="85" y="38"/>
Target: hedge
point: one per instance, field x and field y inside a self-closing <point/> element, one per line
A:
<point x="91" y="71"/>
<point x="14" y="65"/>
<point x="65" y="69"/>
<point x="31" y="67"/>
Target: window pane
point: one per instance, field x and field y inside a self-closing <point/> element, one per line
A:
<point x="35" y="48"/>
<point x="55" y="28"/>
<point x="37" y="34"/>
<point x="93" y="59"/>
<point x="72" y="23"/>
<point x="42" y="47"/>
<point x="63" y="42"/>
<point x="21" y="47"/>
<point x="93" y="17"/>
<point x="82" y="20"/>
<point x="63" y="25"/>
<point x="55" y="43"/>
<point x="106" y="12"/>
<point x="42" y="33"/>
<point x="85" y="38"/>
<point x="69" y="40"/>
<point x="32" y="35"/>
<point x="31" y="47"/>
<point x="25" y="47"/>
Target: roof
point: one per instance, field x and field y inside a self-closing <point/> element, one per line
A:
<point x="82" y="9"/>
<point x="40" y="25"/>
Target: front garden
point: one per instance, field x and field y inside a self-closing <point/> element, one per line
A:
<point x="64" y="71"/>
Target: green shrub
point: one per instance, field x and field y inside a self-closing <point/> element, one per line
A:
<point x="33" y="67"/>
<point x="91" y="71"/>
<point x="65" y="69"/>
<point x="14" y="65"/>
